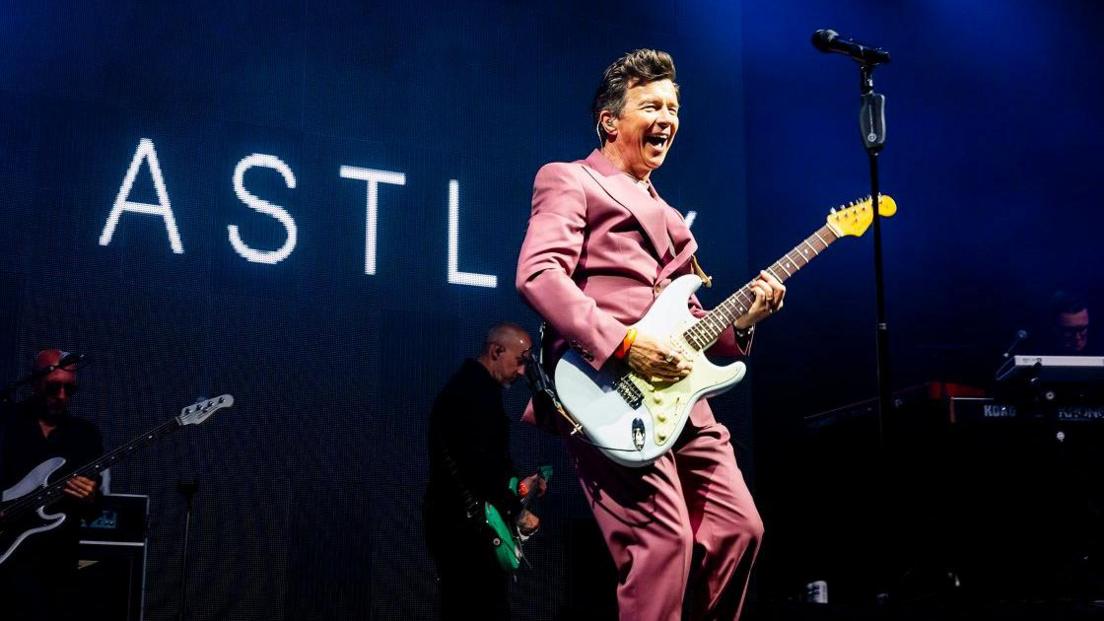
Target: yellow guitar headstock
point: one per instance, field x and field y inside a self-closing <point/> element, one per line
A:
<point x="856" y="216"/>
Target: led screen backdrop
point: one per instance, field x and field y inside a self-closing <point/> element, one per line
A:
<point x="317" y="206"/>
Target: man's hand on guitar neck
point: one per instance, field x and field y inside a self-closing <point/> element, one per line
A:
<point x="532" y="482"/>
<point x="656" y="362"/>
<point x="81" y="488"/>
<point x="769" y="295"/>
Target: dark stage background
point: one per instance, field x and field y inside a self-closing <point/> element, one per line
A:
<point x="334" y="339"/>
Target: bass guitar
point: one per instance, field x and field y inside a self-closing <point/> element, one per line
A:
<point x="24" y="506"/>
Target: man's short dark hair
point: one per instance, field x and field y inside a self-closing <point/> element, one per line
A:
<point x="636" y="67"/>
<point x="1066" y="302"/>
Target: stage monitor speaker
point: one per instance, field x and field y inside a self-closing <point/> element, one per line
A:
<point x="113" y="559"/>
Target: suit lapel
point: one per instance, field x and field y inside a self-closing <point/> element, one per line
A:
<point x="620" y="188"/>
<point x="685" y="246"/>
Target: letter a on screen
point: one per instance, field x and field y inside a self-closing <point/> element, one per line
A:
<point x="145" y="153"/>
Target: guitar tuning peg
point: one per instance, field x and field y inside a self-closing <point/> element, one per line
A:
<point x="832" y="210"/>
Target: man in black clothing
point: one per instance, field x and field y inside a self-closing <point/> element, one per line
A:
<point x="37" y="581"/>
<point x="469" y="463"/>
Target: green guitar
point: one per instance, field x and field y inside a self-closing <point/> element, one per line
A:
<point x="506" y="538"/>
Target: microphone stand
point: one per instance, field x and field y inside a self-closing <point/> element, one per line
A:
<point x="872" y="127"/>
<point x="7" y="392"/>
<point x="188" y="489"/>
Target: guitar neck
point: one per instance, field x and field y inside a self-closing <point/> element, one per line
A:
<point x="55" y="490"/>
<point x="706" y="330"/>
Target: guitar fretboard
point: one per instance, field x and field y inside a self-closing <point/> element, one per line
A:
<point x="52" y="492"/>
<point x="706" y="330"/>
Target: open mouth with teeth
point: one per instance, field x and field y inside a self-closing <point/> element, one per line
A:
<point x="658" y="141"/>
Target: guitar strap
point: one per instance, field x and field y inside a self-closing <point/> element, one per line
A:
<point x="471" y="505"/>
<point x="694" y="265"/>
<point x="543" y="388"/>
<point x="706" y="278"/>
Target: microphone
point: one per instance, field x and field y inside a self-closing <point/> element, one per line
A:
<point x="829" y="41"/>
<point x="67" y="360"/>
<point x="1021" y="336"/>
<point x="70" y="359"/>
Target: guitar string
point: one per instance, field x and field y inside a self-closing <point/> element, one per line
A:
<point x="32" y="500"/>
<point x="705" y="331"/>
<point x="713" y="323"/>
<point x="48" y="493"/>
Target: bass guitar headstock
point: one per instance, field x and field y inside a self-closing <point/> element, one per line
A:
<point x="198" y="412"/>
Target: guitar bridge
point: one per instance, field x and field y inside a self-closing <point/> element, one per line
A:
<point x="629" y="392"/>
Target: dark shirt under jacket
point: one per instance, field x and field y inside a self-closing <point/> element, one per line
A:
<point x="24" y="447"/>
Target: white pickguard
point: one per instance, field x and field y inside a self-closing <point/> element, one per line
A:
<point x="607" y="417"/>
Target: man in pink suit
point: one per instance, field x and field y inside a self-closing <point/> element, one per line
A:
<point x="600" y="246"/>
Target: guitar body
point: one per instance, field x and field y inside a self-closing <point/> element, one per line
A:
<point x="506" y="546"/>
<point x="635" y="425"/>
<point x="15" y="531"/>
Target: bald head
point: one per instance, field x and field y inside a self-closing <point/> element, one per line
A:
<point x="55" y="388"/>
<point x="47" y="358"/>
<point x="505" y="352"/>
<point x="504" y="334"/>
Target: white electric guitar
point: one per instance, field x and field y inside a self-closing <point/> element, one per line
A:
<point x="633" y="421"/>
<point x="23" y="510"/>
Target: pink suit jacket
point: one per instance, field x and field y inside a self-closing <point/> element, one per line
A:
<point x="597" y="250"/>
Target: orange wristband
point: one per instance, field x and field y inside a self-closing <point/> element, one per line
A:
<point x="626" y="344"/>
